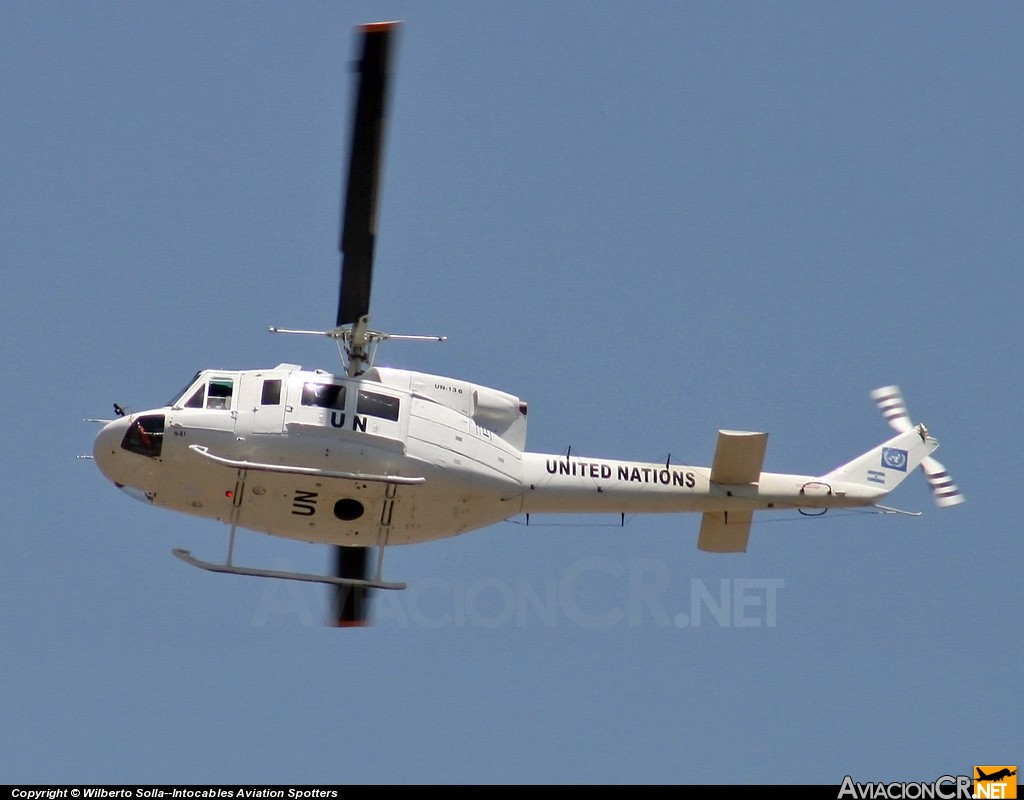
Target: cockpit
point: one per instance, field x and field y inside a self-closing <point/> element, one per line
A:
<point x="213" y="393"/>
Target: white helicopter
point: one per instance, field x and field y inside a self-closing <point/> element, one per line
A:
<point x="377" y="457"/>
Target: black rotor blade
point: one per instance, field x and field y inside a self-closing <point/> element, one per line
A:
<point x="351" y="605"/>
<point x="359" y="220"/>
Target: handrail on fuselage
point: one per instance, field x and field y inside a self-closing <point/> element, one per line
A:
<point x="313" y="471"/>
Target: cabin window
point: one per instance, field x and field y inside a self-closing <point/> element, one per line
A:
<point x="324" y="395"/>
<point x="271" y="393"/>
<point x="220" y="392"/>
<point x="378" y="405"/>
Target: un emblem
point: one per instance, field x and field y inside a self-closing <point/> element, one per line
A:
<point x="894" y="458"/>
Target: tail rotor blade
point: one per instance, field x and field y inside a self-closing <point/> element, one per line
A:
<point x="351" y="604"/>
<point x="889" y="400"/>
<point x="359" y="218"/>
<point x="945" y="491"/>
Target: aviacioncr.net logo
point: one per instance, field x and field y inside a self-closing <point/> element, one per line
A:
<point x="945" y="787"/>
<point x="996" y="782"/>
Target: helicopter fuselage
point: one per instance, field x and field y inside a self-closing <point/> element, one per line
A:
<point x="391" y="457"/>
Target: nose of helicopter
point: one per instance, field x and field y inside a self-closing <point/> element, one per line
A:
<point x="127" y="452"/>
<point x="107" y="453"/>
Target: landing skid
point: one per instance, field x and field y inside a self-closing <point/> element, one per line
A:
<point x="192" y="561"/>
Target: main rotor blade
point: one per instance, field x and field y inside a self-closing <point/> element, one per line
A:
<point x="351" y="604"/>
<point x="359" y="220"/>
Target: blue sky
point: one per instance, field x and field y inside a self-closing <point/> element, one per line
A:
<point x="650" y="221"/>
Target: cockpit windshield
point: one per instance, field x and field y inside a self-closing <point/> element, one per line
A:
<point x="180" y="396"/>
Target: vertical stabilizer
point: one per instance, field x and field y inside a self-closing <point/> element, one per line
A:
<point x="887" y="465"/>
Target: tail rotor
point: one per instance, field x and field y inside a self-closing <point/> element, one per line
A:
<point x="889" y="400"/>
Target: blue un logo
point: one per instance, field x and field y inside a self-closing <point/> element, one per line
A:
<point x="894" y="458"/>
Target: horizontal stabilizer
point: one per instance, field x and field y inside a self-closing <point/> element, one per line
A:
<point x="725" y="532"/>
<point x="739" y="457"/>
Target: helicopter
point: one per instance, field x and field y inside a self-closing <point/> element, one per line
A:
<point x="375" y="457"/>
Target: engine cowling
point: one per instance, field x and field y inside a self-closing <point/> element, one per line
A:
<point x="501" y="413"/>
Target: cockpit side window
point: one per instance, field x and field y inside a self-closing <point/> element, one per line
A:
<point x="324" y="395"/>
<point x="145" y="436"/>
<point x="219" y="395"/>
